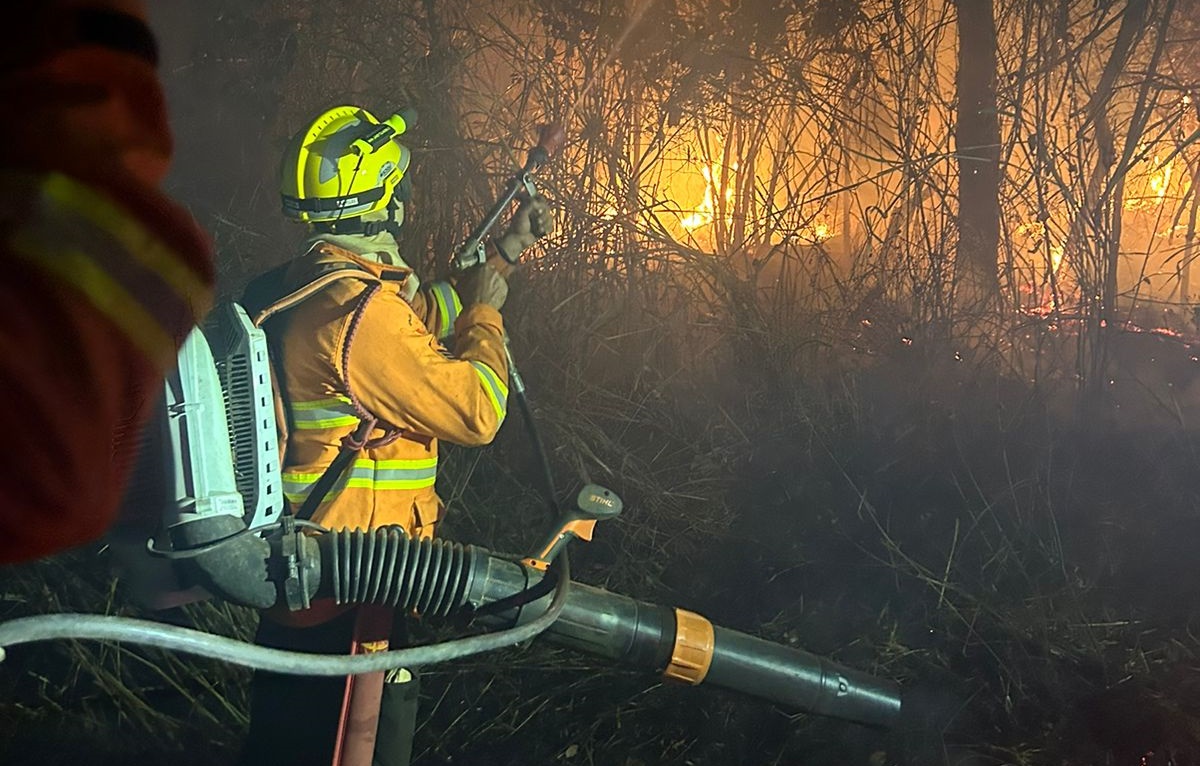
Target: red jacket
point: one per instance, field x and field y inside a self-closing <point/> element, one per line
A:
<point x="103" y="279"/>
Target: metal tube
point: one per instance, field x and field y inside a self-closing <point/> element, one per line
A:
<point x="646" y="635"/>
<point x="798" y="679"/>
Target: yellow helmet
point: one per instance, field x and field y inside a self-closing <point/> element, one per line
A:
<point x="344" y="165"/>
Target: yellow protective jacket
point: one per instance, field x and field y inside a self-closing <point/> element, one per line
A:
<point x="341" y="348"/>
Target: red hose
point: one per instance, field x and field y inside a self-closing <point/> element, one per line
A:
<point x="359" y="722"/>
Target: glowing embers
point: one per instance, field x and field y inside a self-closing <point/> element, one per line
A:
<point x="1045" y="287"/>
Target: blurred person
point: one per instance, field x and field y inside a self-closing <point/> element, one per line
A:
<point x="365" y="376"/>
<point x="104" y="275"/>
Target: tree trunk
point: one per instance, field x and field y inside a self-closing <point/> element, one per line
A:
<point x="977" y="150"/>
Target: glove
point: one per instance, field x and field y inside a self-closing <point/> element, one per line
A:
<point x="482" y="284"/>
<point x="532" y="221"/>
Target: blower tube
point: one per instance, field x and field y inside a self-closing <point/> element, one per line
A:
<point x="443" y="578"/>
<point x="686" y="647"/>
<point x="438" y="577"/>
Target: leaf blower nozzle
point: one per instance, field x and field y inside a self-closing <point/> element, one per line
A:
<point x="685" y="647"/>
<point x="443" y="578"/>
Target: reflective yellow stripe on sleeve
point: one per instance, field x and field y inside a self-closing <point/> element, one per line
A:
<point x="496" y="390"/>
<point x="448" y="305"/>
<point x="85" y="240"/>
<point x="323" y="413"/>
<point x="375" y="475"/>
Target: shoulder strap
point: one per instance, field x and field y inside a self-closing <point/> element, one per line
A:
<point x="262" y="300"/>
<point x="332" y="272"/>
<point x="346" y="453"/>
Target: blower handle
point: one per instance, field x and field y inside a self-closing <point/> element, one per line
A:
<point x="594" y="503"/>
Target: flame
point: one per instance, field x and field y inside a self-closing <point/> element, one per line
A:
<point x="817" y="231"/>
<point x="1036" y="230"/>
<point x="1056" y="257"/>
<point x="1045" y="253"/>
<point x="706" y="212"/>
<point x="1031" y="229"/>
<point x="1156" y="185"/>
<point x="1161" y="180"/>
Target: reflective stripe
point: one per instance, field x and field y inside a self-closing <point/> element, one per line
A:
<point x="375" y="475"/>
<point x="449" y="307"/>
<point x="496" y="390"/>
<point x="140" y="243"/>
<point x="106" y="295"/>
<point x="87" y="241"/>
<point x="323" y="413"/>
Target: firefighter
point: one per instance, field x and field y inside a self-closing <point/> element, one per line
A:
<point x="365" y="369"/>
<point x="104" y="276"/>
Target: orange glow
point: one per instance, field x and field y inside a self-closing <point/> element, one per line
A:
<point x="1035" y="232"/>
<point x="705" y="214"/>
<point x="1161" y="180"/>
<point x="1056" y="257"/>
<point x="817" y="231"/>
<point x="1152" y="187"/>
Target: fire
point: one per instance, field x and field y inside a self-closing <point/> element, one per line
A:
<point x="705" y="214"/>
<point x="1056" y="257"/>
<point x="1032" y="229"/>
<point x="1161" y="180"/>
<point x="1154" y="186"/>
<point x="817" y="231"/>
<point x="1036" y="232"/>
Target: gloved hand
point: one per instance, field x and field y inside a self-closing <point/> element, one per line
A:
<point x="482" y="284"/>
<point x="532" y="221"/>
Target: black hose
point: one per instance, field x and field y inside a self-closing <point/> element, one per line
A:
<point x="431" y="577"/>
<point x="549" y="492"/>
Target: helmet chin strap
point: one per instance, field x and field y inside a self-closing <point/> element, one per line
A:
<point x="395" y="217"/>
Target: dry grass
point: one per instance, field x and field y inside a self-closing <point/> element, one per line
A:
<point x="65" y="699"/>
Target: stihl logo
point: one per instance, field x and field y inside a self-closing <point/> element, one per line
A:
<point x="605" y="501"/>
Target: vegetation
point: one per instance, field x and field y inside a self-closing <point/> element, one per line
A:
<point x="769" y="323"/>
